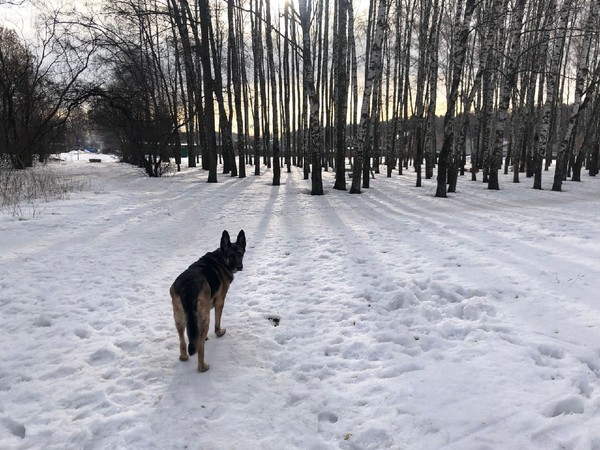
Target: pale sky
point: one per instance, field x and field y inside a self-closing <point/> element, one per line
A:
<point x="19" y="18"/>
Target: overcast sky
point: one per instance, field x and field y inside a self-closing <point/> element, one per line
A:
<point x="19" y="18"/>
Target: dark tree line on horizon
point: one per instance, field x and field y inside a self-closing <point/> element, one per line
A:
<point x="354" y="87"/>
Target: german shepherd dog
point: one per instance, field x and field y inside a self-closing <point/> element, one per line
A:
<point x="201" y="287"/>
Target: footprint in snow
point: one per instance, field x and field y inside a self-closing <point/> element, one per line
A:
<point x="42" y="322"/>
<point x="568" y="405"/>
<point x="16" y="428"/>
<point x="551" y="352"/>
<point x="327" y="417"/>
<point x="81" y="333"/>
<point x="102" y="356"/>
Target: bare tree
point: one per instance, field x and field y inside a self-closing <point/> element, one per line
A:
<point x="419" y="111"/>
<point x="551" y="90"/>
<point x="375" y="69"/>
<point x="237" y="86"/>
<point x="138" y="103"/>
<point x="309" y="87"/>
<point x="41" y="86"/>
<point x="274" y="99"/>
<point x="287" y="106"/>
<point x="591" y="129"/>
<point x="432" y="56"/>
<point x="255" y="18"/>
<point x="179" y="15"/>
<point x="508" y="85"/>
<point x="208" y="84"/>
<point x="341" y="89"/>
<point x="458" y="59"/>
<point x="224" y="119"/>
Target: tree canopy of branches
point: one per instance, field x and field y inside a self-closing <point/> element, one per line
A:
<point x="41" y="83"/>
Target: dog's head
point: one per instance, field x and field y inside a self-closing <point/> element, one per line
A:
<point x="233" y="253"/>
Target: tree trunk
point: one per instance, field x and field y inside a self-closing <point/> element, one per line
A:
<point x="309" y="87"/>
<point x="580" y="78"/>
<point x="458" y="59"/>
<point x="420" y="90"/>
<point x="341" y="105"/>
<point x="432" y="53"/>
<point x="256" y="44"/>
<point x="508" y="85"/>
<point x="286" y="90"/>
<point x="589" y="134"/>
<point x="374" y="71"/>
<point x="551" y="92"/>
<point x="274" y="100"/>
<point x="224" y="120"/>
<point x="237" y="89"/>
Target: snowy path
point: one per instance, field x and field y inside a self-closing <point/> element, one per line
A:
<point x="405" y="321"/>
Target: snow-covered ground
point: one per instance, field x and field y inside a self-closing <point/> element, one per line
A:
<point x="405" y="321"/>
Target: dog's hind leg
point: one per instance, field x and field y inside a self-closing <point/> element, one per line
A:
<point x="203" y="308"/>
<point x="180" y="323"/>
<point x="219" y="304"/>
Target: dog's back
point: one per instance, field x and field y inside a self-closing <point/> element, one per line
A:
<point x="211" y="268"/>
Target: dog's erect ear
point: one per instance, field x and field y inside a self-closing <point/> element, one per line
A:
<point x="225" y="240"/>
<point x="241" y="239"/>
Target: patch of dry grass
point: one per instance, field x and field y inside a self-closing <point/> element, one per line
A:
<point x="22" y="192"/>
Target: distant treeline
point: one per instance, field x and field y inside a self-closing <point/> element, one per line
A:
<point x="315" y="83"/>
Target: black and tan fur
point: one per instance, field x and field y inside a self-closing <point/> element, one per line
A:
<point x="201" y="287"/>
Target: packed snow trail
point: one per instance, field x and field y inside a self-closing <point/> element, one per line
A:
<point x="391" y="319"/>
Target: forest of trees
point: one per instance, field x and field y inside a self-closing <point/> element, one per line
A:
<point x="357" y="87"/>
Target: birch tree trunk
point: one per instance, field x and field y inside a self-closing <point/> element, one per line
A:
<point x="237" y="89"/>
<point x="209" y="107"/>
<point x="404" y="153"/>
<point x="375" y="69"/>
<point x="274" y="100"/>
<point x="262" y="78"/>
<point x="508" y="85"/>
<point x="286" y="89"/>
<point x="432" y="53"/>
<point x="353" y="65"/>
<point x="180" y="17"/>
<point x="458" y="59"/>
<point x="591" y="93"/>
<point x="255" y="18"/>
<point x="551" y="91"/>
<point x="420" y="89"/>
<point x="494" y="22"/>
<point x="324" y="90"/>
<point x="309" y="87"/>
<point x="341" y="103"/>
<point x="366" y="149"/>
<point x="224" y="120"/>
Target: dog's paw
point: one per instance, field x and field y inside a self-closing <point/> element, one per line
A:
<point x="203" y="368"/>
<point x="183" y="357"/>
<point x="220" y="332"/>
